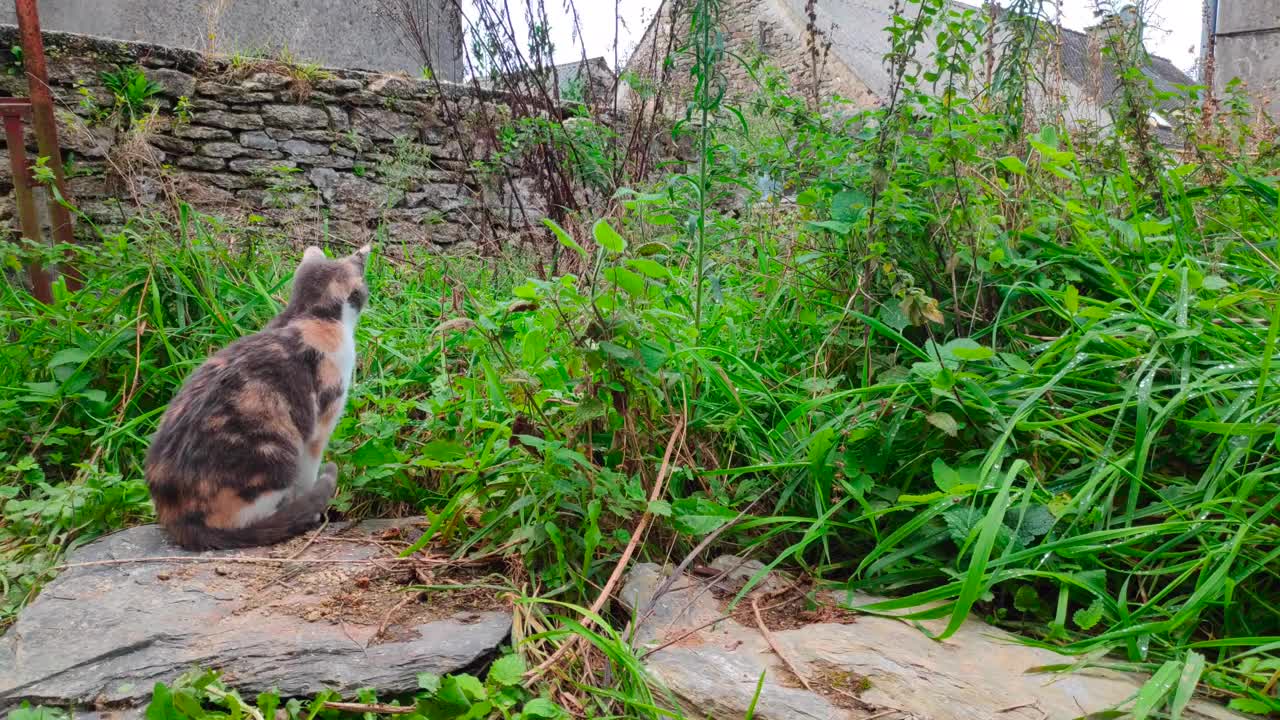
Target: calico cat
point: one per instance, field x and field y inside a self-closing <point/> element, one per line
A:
<point x="236" y="460"/>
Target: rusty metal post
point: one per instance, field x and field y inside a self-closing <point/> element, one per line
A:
<point x="13" y="111"/>
<point x="46" y="127"/>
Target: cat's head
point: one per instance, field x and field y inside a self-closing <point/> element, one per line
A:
<point x="330" y="289"/>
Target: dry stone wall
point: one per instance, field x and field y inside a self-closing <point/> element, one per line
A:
<point x="343" y="153"/>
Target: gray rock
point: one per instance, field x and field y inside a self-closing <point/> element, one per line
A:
<point x="196" y="162"/>
<point x="338" y="161"/>
<point x="258" y="140"/>
<point x="264" y="81"/>
<point x="383" y="124"/>
<point x="344" y="188"/>
<point x="981" y="672"/>
<point x="204" y="103"/>
<point x="229" y="121"/>
<point x="295" y="116"/>
<point x="251" y="98"/>
<point x="338" y="118"/>
<point x="303" y="148"/>
<point x="228" y="181"/>
<point x="320" y="136"/>
<point x="212" y="88"/>
<point x="227" y="150"/>
<point x="339" y="85"/>
<point x="254" y="166"/>
<point x="198" y="132"/>
<point x="105" y="634"/>
<point x="175" y="82"/>
<point x="441" y="196"/>
<point x="172" y="145"/>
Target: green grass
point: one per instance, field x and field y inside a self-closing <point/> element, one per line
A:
<point x="1005" y="372"/>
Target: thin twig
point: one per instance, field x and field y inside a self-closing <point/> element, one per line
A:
<point x="386" y="619"/>
<point x="768" y="637"/>
<point x="659" y="485"/>
<point x="289" y="574"/>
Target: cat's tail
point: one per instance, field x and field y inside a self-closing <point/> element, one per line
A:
<point x="197" y="537"/>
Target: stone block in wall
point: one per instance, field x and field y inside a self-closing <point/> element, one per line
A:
<point x="174" y="83"/>
<point x="327" y="161"/>
<point x="233" y="150"/>
<point x="443" y="196"/>
<point x="338" y="118"/>
<point x="295" y="116"/>
<point x="229" y="121"/>
<point x="195" y="162"/>
<point x="383" y="124"/>
<point x="227" y="181"/>
<point x="258" y="140"/>
<point x="254" y="166"/>
<point x="198" y="132"/>
<point x="258" y="82"/>
<point x="254" y="98"/>
<point x="171" y="145"/>
<point x="303" y="148"/>
<point x="91" y="141"/>
<point x="205" y="104"/>
<point x="339" y="85"/>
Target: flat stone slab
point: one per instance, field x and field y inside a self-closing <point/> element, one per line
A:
<point x="859" y="666"/>
<point x="336" y="616"/>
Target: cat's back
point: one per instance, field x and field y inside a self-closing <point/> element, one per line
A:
<point x="246" y="410"/>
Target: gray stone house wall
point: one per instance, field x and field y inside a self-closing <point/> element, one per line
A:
<point x="334" y="33"/>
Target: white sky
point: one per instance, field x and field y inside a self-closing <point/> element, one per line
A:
<point x="1174" y="26"/>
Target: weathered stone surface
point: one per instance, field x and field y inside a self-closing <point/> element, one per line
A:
<point x="338" y="118"/>
<point x="204" y="103"/>
<point x="229" y="121"/>
<point x="338" y="161"/>
<point x="264" y="81"/>
<point x="175" y="82"/>
<point x="250" y="98"/>
<point x="382" y="124"/>
<point x="105" y="634"/>
<point x="339" y="85"/>
<point x="253" y="166"/>
<point x="441" y="196"/>
<point x="228" y="181"/>
<point x="258" y="141"/>
<point x="979" y="673"/>
<point x="196" y="162"/>
<point x="297" y="117"/>
<point x="199" y="132"/>
<point x="172" y="145"/>
<point x="231" y="150"/>
<point x="303" y="148"/>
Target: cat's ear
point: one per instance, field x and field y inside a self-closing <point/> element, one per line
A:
<point x="312" y="253"/>
<point x="361" y="256"/>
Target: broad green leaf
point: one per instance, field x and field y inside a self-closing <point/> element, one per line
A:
<point x="541" y="708"/>
<point x="699" y="516"/>
<point x="608" y="238"/>
<point x="944" y="476"/>
<point x="944" y="422"/>
<point x="630" y="282"/>
<point x="564" y="237"/>
<point x="652" y="268"/>
<point x="1013" y="165"/>
<point x="507" y="671"/>
<point x="70" y="356"/>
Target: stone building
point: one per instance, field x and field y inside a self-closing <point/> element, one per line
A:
<point x="382" y="35"/>
<point x="1246" y="39"/>
<point x="844" y="55"/>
